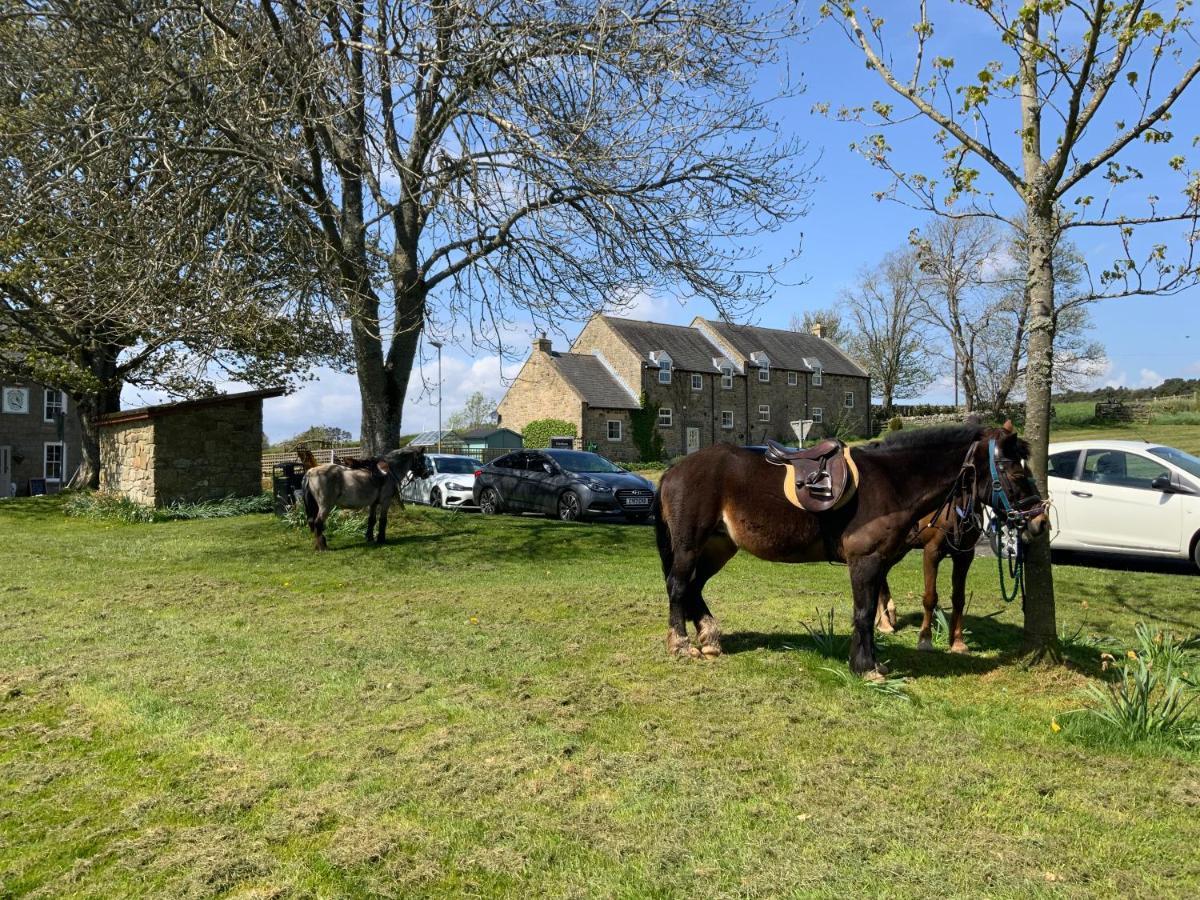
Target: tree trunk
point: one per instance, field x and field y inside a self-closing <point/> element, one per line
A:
<point x="1041" y="632"/>
<point x="90" y="407"/>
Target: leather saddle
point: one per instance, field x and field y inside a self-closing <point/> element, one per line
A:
<point x="819" y="478"/>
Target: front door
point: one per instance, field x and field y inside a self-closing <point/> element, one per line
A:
<point x="5" y="471"/>
<point x="693" y="440"/>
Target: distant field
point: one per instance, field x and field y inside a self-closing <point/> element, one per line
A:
<point x="485" y="707"/>
<point x="1074" y="421"/>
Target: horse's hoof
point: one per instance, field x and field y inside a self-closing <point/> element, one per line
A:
<point x="885" y="627"/>
<point x="959" y="647"/>
<point x="874" y="675"/>
<point x="925" y="645"/>
<point x="694" y="652"/>
<point x="678" y="646"/>
<point x="710" y="650"/>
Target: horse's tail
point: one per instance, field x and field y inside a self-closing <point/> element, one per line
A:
<point x="311" y="509"/>
<point x="662" y="534"/>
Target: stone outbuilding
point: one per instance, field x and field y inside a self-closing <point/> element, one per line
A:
<point x="190" y="451"/>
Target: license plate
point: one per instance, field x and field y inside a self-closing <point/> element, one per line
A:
<point x="638" y="501"/>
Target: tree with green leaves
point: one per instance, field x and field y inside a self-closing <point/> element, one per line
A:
<point x="128" y="253"/>
<point x="319" y="434"/>
<point x="477" y="412"/>
<point x="1086" y="82"/>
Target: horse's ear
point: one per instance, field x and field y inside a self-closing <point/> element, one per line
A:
<point x="382" y="466"/>
<point x="1008" y="426"/>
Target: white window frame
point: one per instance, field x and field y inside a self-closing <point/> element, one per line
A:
<point x="849" y="399"/>
<point x="664" y="369"/>
<point x="764" y="412"/>
<point x="764" y="373"/>
<point x="24" y="391"/>
<point x="816" y="377"/>
<point x="727" y="378"/>
<point x="818" y="415"/>
<point x="793" y="379"/>
<point x="697" y="382"/>
<point x="727" y="419"/>
<point x="62" y="462"/>
<point x="611" y="423"/>
<point x="667" y="420"/>
<point x="62" y="404"/>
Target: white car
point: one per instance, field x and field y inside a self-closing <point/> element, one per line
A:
<point x="450" y="486"/>
<point x="1128" y="497"/>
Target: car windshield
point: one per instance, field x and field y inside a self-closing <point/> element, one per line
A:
<point x="453" y="466"/>
<point x="1185" y="461"/>
<point x="578" y="461"/>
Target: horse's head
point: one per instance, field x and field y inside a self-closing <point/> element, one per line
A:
<point x="1004" y="482"/>
<point x="420" y="467"/>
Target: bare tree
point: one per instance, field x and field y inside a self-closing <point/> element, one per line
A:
<point x="1086" y="80"/>
<point x="832" y="325"/>
<point x="887" y="334"/>
<point x="463" y="161"/>
<point x="126" y="256"/>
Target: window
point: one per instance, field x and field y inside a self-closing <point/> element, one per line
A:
<point x="664" y="417"/>
<point x="818" y="415"/>
<point x="664" y="371"/>
<point x="53" y="461"/>
<point x="506" y="462"/>
<point x="727" y="378"/>
<point x="849" y="399"/>
<point x="16" y="400"/>
<point x="1062" y="465"/>
<point x="1121" y="469"/>
<point x="697" y="382"/>
<point x="816" y="377"/>
<point x="727" y="419"/>
<point x="55" y="403"/>
<point x="764" y="373"/>
<point x="614" y="429"/>
<point x="764" y="413"/>
<point x="793" y="379"/>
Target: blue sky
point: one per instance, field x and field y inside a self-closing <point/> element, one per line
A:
<point x="1146" y="339"/>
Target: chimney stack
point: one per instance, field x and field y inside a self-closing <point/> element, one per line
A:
<point x="818" y="329"/>
<point x="542" y="343"/>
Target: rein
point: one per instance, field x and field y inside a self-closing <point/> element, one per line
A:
<point x="963" y="489"/>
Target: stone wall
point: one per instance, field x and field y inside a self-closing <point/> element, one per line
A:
<point x="595" y="431"/>
<point x="539" y="392"/>
<point x="209" y="453"/>
<point x="127" y="460"/>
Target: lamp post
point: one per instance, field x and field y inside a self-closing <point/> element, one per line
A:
<point x="438" y="345"/>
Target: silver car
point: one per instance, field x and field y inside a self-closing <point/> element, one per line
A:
<point x="450" y="485"/>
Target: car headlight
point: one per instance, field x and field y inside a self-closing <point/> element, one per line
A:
<point x="455" y="486"/>
<point x="599" y="487"/>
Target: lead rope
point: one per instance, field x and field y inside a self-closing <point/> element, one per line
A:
<point x="1009" y="547"/>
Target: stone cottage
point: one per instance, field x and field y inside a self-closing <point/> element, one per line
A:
<point x="711" y="381"/>
<point x="195" y="450"/>
<point x="40" y="437"/>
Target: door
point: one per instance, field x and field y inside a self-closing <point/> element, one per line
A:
<point x="6" y="484"/>
<point x="1061" y="469"/>
<point x="693" y="440"/>
<point x="535" y="490"/>
<point x="1113" y="505"/>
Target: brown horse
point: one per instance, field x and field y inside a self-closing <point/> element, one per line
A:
<point x="938" y="538"/>
<point x="723" y="498"/>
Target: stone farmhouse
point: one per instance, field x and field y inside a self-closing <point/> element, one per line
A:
<point x="40" y="437"/>
<point x="712" y="381"/>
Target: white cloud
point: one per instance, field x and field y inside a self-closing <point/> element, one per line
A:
<point x="651" y="308"/>
<point x="1149" y="378"/>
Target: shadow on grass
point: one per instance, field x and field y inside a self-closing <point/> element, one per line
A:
<point x="1125" y="563"/>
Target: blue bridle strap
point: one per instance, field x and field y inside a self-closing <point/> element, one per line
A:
<point x="999" y="497"/>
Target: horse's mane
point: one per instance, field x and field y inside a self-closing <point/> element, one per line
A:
<point x="935" y="436"/>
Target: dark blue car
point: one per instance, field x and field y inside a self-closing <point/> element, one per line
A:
<point x="563" y="484"/>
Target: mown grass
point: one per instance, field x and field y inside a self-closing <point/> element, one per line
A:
<point x="485" y="707"/>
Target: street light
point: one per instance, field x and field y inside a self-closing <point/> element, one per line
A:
<point x="438" y="345"/>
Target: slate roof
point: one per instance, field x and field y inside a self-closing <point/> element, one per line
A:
<point x="593" y="380"/>
<point x="688" y="348"/>
<point x="786" y="349"/>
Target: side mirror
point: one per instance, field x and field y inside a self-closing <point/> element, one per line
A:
<point x="1163" y="483"/>
<point x="548" y="467"/>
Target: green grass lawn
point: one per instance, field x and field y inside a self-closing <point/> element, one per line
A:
<point x="485" y="706"/>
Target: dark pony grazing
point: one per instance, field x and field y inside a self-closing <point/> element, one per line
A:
<point x="938" y="539"/>
<point x="373" y="486"/>
<point x="723" y="498"/>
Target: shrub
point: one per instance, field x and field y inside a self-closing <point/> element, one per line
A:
<point x="537" y="433"/>
<point x="106" y="506"/>
<point x="643" y="428"/>
<point x="895" y="423"/>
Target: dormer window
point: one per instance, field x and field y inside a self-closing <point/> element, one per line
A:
<point x="662" y="359"/>
<point x="816" y="377"/>
<point x="764" y="372"/>
<point x="759" y="358"/>
<point x="727" y="378"/>
<point x="814" y="365"/>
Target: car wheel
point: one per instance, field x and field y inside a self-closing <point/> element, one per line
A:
<point x="569" y="508"/>
<point x="489" y="502"/>
<point x="435" y="499"/>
